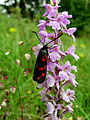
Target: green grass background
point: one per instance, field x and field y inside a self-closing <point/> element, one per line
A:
<point x="32" y="105"/>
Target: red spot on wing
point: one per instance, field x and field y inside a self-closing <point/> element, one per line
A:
<point x="43" y="59"/>
<point x="39" y="78"/>
<point x="44" y="67"/>
<point x="43" y="74"/>
<point x="41" y="68"/>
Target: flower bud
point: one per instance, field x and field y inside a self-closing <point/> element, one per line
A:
<point x="54" y="2"/>
<point x="4" y="103"/>
<point x="24" y="73"/>
<point x="34" y="48"/>
<point x="29" y="70"/>
<point x="5" y="77"/>
<point x="7" y="53"/>
<point x="20" y="43"/>
<point x="7" y="92"/>
<point x="27" y="56"/>
<point x="0" y="107"/>
<point x="1" y="86"/>
<point x="12" y="89"/>
<point x="17" y="62"/>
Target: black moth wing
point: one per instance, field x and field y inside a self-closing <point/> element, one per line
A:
<point x="41" y="65"/>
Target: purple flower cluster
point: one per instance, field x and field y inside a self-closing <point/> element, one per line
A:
<point x="57" y="98"/>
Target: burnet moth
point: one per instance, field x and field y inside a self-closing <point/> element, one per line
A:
<point x="41" y="62"/>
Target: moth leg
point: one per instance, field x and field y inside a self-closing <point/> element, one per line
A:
<point x="50" y="59"/>
<point x="52" y="48"/>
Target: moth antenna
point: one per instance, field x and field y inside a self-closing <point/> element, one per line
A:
<point x="60" y="34"/>
<point x="38" y="37"/>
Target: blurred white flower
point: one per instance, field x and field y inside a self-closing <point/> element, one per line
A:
<point x="17" y="62"/>
<point x="27" y="56"/>
<point x="27" y="6"/>
<point x="7" y="53"/>
<point x="20" y="43"/>
<point x="4" y="11"/>
<point x="4" y="103"/>
<point x="12" y="89"/>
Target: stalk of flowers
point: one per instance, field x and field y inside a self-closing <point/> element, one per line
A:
<point x="58" y="99"/>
